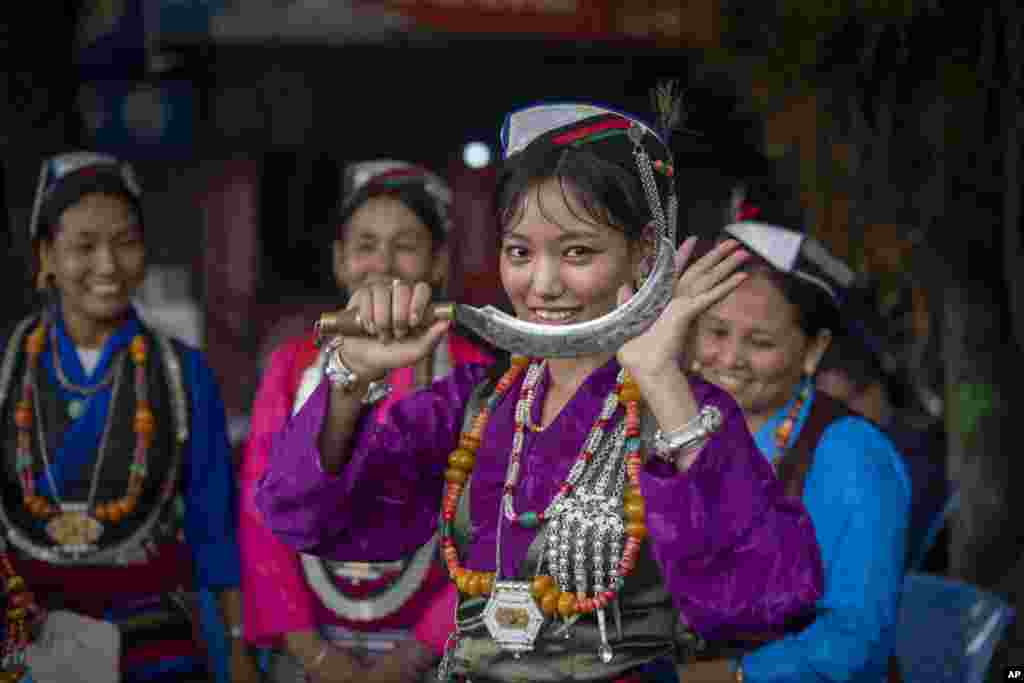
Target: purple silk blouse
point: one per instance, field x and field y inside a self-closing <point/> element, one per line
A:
<point x="735" y="553"/>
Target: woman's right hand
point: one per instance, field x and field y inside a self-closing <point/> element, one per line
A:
<point x="390" y="315"/>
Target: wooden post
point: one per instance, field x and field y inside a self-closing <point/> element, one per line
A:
<point x="230" y="259"/>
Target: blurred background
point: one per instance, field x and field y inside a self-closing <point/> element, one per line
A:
<point x="897" y="122"/>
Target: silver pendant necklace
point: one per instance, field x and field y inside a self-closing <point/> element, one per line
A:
<point x="591" y="512"/>
<point x="75" y="530"/>
<point x="76" y="406"/>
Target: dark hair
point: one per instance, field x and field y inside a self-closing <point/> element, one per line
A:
<point x="607" y="192"/>
<point x="851" y="356"/>
<point x="773" y="201"/>
<point x="776" y="204"/>
<point x="412" y="194"/>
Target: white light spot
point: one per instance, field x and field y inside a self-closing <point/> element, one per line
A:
<point x="476" y="155"/>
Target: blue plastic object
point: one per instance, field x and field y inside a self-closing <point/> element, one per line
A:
<point x="948" y="630"/>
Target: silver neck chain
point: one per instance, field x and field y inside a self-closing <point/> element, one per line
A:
<point x="118" y="371"/>
<point x="579" y="467"/>
<point x="593" y="508"/>
<point x="62" y="377"/>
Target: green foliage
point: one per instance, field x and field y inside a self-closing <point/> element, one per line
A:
<point x="973" y="401"/>
<point x="959" y="79"/>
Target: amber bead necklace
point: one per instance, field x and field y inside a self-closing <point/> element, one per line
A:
<point x="550" y="599"/>
<point x="73" y="527"/>
<point x="784" y="431"/>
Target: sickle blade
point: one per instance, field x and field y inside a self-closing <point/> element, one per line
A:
<point x="601" y="335"/>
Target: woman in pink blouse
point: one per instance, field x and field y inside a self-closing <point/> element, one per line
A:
<point x="324" y="619"/>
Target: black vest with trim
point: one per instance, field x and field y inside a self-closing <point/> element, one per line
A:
<point x="162" y="458"/>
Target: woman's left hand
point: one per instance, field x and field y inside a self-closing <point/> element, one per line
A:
<point x="707" y="281"/>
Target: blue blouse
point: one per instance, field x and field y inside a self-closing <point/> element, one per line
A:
<point x="858" y="495"/>
<point x="209" y="491"/>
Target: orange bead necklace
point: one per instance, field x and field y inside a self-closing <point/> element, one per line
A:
<point x="784" y="431"/>
<point x="70" y="526"/>
<point x="550" y="598"/>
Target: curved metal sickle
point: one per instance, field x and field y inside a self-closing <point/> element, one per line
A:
<point x="601" y="335"/>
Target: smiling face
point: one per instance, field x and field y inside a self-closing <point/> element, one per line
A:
<point x="97" y="261"/>
<point x="751" y="345"/>
<point x="557" y="265"/>
<point x="382" y="240"/>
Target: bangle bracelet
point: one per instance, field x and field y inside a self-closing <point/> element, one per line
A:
<point x="319" y="659"/>
<point x="340" y="376"/>
<point x="337" y="373"/>
<point x="377" y="391"/>
<point x="691" y="436"/>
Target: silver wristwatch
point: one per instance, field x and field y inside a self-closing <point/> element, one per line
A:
<point x="341" y="377"/>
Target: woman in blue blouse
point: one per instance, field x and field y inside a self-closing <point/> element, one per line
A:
<point x="117" y="489"/>
<point x="762" y="343"/>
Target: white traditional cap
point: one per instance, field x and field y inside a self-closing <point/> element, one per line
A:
<point x="794" y="252"/>
<point x="525" y="125"/>
<point x="390" y="172"/>
<point x="617" y="137"/>
<point x="64" y="178"/>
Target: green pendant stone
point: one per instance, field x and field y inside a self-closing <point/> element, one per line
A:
<point x="75" y="408"/>
<point x="529" y="520"/>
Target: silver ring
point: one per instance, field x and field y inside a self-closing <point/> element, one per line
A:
<point x="333" y="346"/>
<point x="394" y="283"/>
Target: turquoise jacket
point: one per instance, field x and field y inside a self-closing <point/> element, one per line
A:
<point x="858" y="495"/>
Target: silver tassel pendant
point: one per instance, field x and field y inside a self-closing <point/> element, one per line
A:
<point x="445" y="667"/>
<point x="605" y="650"/>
